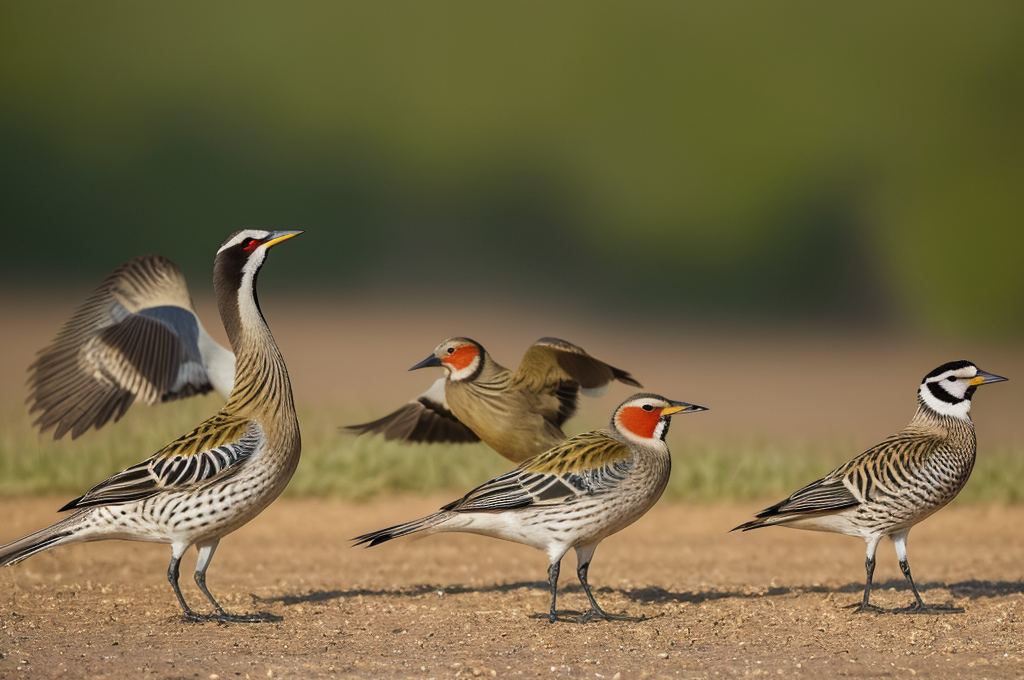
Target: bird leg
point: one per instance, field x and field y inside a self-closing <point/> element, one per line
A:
<point x="919" y="607"/>
<point x="205" y="556"/>
<point x="595" y="610"/>
<point x="172" y="576"/>
<point x="865" y="605"/>
<point x="553" y="584"/>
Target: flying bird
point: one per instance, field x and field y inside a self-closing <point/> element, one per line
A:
<point x="518" y="414"/>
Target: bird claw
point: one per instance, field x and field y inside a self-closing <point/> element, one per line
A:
<point x="224" y="617"/>
<point x="918" y="608"/>
<point x="605" y="616"/>
<point x="861" y="608"/>
<point x="551" y="617"/>
<point x="261" y="617"/>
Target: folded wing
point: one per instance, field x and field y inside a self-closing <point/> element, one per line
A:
<point x="213" y="451"/>
<point x="873" y="474"/>
<point x="585" y="465"/>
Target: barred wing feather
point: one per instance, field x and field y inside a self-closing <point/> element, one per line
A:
<point x="583" y="465"/>
<point x="213" y="451"/>
<point x="426" y="418"/>
<point x="877" y="472"/>
<point x="135" y="337"/>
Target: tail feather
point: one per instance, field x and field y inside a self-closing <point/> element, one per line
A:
<point x="15" y="552"/>
<point x="753" y="524"/>
<point x="377" y="537"/>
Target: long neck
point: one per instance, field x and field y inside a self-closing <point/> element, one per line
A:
<point x="261" y="385"/>
<point x="957" y="429"/>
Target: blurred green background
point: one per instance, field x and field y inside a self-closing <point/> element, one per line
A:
<point x="833" y="162"/>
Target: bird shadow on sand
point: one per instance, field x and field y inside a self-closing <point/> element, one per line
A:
<point x="969" y="589"/>
<point x="411" y="591"/>
<point x="654" y="594"/>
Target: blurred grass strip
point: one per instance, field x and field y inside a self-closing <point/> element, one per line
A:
<point x="337" y="465"/>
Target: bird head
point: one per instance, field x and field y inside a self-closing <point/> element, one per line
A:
<point x="234" y="274"/>
<point x="462" y="358"/>
<point x="948" y="389"/>
<point x="644" y="417"/>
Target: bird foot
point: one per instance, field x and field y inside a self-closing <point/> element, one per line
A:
<point x="918" y="608"/>
<point x="194" y="617"/>
<point x="551" y="617"/>
<point x="224" y="617"/>
<point x="259" y="617"/>
<point x="861" y="608"/>
<point x="605" y="616"/>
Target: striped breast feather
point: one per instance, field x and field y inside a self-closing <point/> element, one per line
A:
<point x="182" y="464"/>
<point x="584" y="465"/>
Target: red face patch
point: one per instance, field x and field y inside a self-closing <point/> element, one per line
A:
<point x="640" y="422"/>
<point x="461" y="357"/>
<point x="251" y="244"/>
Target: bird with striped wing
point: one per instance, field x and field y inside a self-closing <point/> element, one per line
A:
<point x="574" y="495"/>
<point x="214" y="479"/>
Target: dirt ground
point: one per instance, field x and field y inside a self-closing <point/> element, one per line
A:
<point x="769" y="603"/>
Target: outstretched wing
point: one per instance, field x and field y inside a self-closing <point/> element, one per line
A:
<point x="874" y="473"/>
<point x="213" y="451"/>
<point x="584" y="465"/>
<point x="135" y="337"/>
<point x="561" y="369"/>
<point x="426" y="418"/>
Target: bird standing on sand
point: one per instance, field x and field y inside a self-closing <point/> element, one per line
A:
<point x="517" y="414"/>
<point x="216" y="478"/>
<point x="137" y="336"/>
<point x="573" y="496"/>
<point x="891" y="487"/>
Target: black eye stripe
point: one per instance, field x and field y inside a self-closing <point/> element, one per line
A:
<point x="941" y="394"/>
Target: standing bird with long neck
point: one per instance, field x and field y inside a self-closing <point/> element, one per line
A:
<point x="211" y="481"/>
<point x="574" y="495"/>
<point x="894" y="485"/>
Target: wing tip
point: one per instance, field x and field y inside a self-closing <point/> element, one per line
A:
<point x="72" y="505"/>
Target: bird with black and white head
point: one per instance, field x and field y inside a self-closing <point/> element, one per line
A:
<point x="214" y="479"/>
<point x="892" y="486"/>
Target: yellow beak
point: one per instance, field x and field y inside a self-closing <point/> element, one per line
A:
<point x="281" y="236"/>
<point x="681" y="407"/>
<point x="983" y="378"/>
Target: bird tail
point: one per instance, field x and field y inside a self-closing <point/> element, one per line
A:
<point x="422" y="524"/>
<point x="753" y="524"/>
<point x="60" y="533"/>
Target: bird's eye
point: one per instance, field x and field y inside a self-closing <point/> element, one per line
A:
<point x="249" y="243"/>
<point x="648" y="407"/>
<point x="951" y="378"/>
<point x="451" y="350"/>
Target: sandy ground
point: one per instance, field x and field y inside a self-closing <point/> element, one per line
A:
<point x="768" y="603"/>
